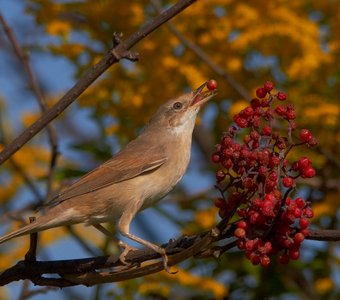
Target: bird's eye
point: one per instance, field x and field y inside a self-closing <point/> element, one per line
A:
<point x="177" y="105"/>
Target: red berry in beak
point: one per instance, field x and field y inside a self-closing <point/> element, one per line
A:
<point x="212" y="85"/>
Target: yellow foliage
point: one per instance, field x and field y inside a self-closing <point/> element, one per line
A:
<point x="324" y="285"/>
<point x="152" y="287"/>
<point x="33" y="160"/>
<point x="203" y="283"/>
<point x="193" y="75"/>
<point x="328" y="206"/>
<point x="328" y="112"/>
<point x="234" y="64"/>
<point x="74" y="50"/>
<point x="57" y="27"/>
<point x="9" y="189"/>
<point x="28" y="118"/>
<point x="49" y="236"/>
<point x="112" y="129"/>
<point x="237" y="106"/>
<point x="206" y="218"/>
<point x="13" y="250"/>
<point x="245" y="14"/>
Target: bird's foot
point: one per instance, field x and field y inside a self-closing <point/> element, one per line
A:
<point x="165" y="258"/>
<point x="126" y="250"/>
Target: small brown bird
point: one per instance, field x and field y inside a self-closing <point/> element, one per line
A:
<point x="138" y="176"/>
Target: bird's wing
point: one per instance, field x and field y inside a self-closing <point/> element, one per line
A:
<point x="123" y="166"/>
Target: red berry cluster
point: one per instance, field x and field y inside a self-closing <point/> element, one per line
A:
<point x="258" y="178"/>
<point x="269" y="226"/>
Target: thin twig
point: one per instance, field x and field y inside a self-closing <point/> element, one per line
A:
<point x="31" y="255"/>
<point x="34" y="84"/>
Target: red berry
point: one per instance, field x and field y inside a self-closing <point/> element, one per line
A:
<point x="308" y="212"/>
<point x="268" y="86"/>
<point x="304" y="162"/>
<point x="298" y="238"/>
<point x="255" y="102"/>
<point x="300" y="202"/>
<point x="294" y="254"/>
<point x="242" y="224"/>
<point x="212" y="85"/>
<point x="280" y="110"/>
<point x="240" y="233"/>
<point x="287" y="182"/>
<point x="273" y="176"/>
<point x="291" y="114"/>
<point x="265" y="261"/>
<point x="248" y="112"/>
<point x="303" y="223"/>
<point x="249" y="245"/>
<point x="261" y="92"/>
<point x="241" y="122"/>
<point x="308" y="172"/>
<point x="215" y="158"/>
<point x="297" y="212"/>
<point x="267" y="130"/>
<point x="305" y="135"/>
<point x="274" y="161"/>
<point x="281" y="96"/>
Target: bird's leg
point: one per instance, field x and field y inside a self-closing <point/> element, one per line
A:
<point x="107" y="233"/>
<point x="124" y="228"/>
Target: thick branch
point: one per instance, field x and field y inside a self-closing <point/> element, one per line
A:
<point x="118" y="52"/>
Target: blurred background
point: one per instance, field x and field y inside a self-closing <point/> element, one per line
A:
<point x="241" y="44"/>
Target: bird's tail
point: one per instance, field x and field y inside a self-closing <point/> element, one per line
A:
<point x="53" y="217"/>
<point x="30" y="228"/>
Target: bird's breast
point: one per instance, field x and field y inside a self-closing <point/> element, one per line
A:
<point x="161" y="181"/>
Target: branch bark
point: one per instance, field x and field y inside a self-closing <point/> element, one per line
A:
<point x="85" y="271"/>
<point x="119" y="51"/>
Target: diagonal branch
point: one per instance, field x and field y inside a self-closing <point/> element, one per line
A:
<point x="118" y="52"/>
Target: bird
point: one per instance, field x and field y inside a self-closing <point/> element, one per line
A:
<point x="138" y="176"/>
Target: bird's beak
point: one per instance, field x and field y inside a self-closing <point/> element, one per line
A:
<point x="201" y="95"/>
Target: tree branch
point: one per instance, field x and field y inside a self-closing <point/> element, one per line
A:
<point x="118" y="52"/>
<point x="85" y="271"/>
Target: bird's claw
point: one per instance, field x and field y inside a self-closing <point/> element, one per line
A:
<point x="165" y="258"/>
<point x="126" y="250"/>
<point x="160" y="250"/>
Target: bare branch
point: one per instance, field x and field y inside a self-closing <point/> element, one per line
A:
<point x="330" y="235"/>
<point x="85" y="271"/>
<point x="118" y="52"/>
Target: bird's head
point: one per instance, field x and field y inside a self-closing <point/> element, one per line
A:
<point x="179" y="113"/>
